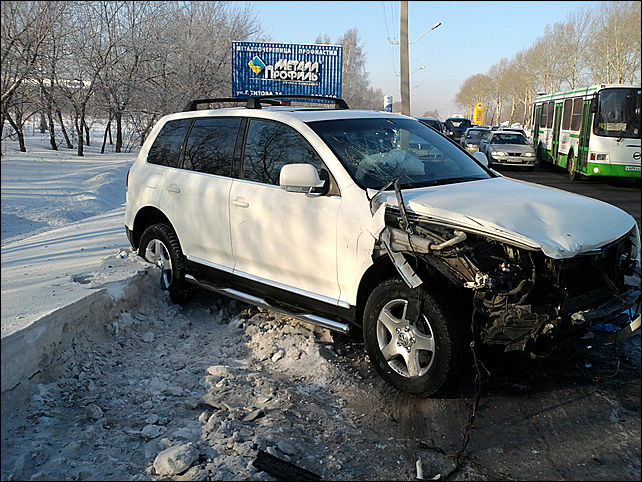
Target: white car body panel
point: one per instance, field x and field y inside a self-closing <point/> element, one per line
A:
<point x="559" y="223"/>
<point x="285" y="237"/>
<point x="199" y="214"/>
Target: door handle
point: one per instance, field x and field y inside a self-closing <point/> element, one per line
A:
<point x="173" y="188"/>
<point x="239" y="202"/>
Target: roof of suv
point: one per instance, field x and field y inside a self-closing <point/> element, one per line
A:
<point x="304" y="114"/>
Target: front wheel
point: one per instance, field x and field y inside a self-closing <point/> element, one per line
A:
<point x="416" y="353"/>
<point x="159" y="245"/>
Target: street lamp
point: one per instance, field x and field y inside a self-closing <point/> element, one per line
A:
<point x="429" y="30"/>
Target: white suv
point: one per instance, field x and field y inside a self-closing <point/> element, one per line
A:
<point x="373" y="222"/>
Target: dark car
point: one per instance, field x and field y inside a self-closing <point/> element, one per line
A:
<point x="432" y="122"/>
<point x="473" y="137"/>
<point x="456" y="127"/>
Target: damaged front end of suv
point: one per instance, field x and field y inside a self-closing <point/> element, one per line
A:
<point x="525" y="299"/>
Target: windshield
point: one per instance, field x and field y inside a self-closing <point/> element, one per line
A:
<point x="457" y="123"/>
<point x="377" y="150"/>
<point x="618" y="113"/>
<point x="509" y="139"/>
<point x="476" y="134"/>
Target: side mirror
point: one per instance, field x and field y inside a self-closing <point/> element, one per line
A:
<point x="593" y="107"/>
<point x="300" y="178"/>
<point x="481" y="157"/>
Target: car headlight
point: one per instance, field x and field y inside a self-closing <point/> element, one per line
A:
<point x="529" y="154"/>
<point x="498" y="153"/>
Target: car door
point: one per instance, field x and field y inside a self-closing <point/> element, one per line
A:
<point x="196" y="198"/>
<point x="280" y="238"/>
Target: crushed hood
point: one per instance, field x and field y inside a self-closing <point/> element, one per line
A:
<point x="560" y="223"/>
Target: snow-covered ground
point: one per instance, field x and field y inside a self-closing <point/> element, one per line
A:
<point x="62" y="217"/>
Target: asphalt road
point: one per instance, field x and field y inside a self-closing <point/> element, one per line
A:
<point x="623" y="193"/>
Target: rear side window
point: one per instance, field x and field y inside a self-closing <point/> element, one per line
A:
<point x="270" y="146"/>
<point x="210" y="145"/>
<point x="166" y="150"/>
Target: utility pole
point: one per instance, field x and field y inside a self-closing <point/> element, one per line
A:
<point x="403" y="58"/>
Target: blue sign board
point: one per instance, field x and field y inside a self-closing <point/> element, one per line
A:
<point x="265" y="68"/>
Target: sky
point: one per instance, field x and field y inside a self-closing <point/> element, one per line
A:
<point x="472" y="37"/>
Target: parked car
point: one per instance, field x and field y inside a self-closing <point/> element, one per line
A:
<point x="473" y="137"/>
<point x="432" y="122"/>
<point x="373" y="223"/>
<point x="456" y="127"/>
<point x="508" y="148"/>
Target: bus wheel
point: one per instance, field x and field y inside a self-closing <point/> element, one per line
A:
<point x="571" y="166"/>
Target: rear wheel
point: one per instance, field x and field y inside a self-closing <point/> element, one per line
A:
<point x="159" y="245"/>
<point x="418" y="354"/>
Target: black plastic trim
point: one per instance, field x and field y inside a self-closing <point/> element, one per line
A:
<point x="275" y="296"/>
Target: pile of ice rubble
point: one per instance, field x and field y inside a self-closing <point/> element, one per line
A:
<point x="192" y="394"/>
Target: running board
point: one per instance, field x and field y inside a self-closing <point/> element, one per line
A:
<point x="256" y="301"/>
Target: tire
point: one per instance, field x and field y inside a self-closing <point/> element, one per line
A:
<point x="417" y="358"/>
<point x="571" y="167"/>
<point x="159" y="245"/>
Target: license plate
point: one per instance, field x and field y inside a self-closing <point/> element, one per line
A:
<point x="632" y="168"/>
<point x="515" y="159"/>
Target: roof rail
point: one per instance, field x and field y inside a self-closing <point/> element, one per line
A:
<point x="255" y="102"/>
<point x="192" y="105"/>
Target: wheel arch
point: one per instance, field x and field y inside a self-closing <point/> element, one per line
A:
<point x="145" y="218"/>
<point x="384" y="269"/>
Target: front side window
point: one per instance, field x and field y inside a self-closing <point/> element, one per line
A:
<point x="270" y="146"/>
<point x="166" y="149"/>
<point x="378" y="150"/>
<point x="618" y="113"/>
<point x="210" y="145"/>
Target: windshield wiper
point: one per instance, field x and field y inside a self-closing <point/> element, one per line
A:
<point x="453" y="180"/>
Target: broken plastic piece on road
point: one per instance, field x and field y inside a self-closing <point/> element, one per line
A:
<point x="281" y="469"/>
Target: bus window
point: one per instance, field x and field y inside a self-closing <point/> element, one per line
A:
<point x="542" y="115"/>
<point x="566" y="118"/>
<point x="549" y="116"/>
<point x="576" y="120"/>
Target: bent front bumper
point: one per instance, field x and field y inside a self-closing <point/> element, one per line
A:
<point x="519" y="327"/>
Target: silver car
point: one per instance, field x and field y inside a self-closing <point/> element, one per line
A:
<point x="505" y="148"/>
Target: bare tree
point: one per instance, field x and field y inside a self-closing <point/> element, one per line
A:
<point x="613" y="49"/>
<point x="24" y="28"/>
<point x="356" y="88"/>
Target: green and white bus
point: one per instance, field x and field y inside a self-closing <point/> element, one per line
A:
<point x="591" y="132"/>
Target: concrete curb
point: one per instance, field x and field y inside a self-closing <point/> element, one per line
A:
<point x="42" y="345"/>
